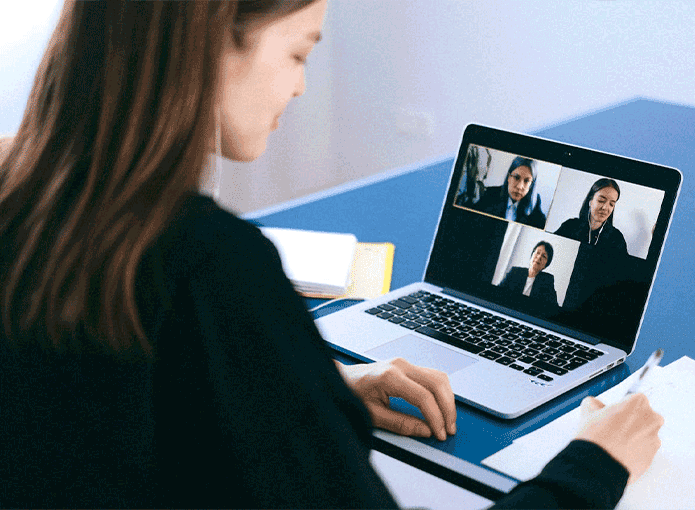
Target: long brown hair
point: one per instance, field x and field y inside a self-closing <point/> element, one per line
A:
<point x="113" y="137"/>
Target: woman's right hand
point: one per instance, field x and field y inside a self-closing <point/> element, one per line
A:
<point x="628" y="431"/>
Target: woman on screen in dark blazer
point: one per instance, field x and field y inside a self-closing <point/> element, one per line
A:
<point x="516" y="200"/>
<point x="534" y="282"/>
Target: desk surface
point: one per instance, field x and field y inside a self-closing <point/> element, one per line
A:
<point x="403" y="207"/>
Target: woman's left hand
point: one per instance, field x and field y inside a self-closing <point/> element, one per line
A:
<point x="426" y="388"/>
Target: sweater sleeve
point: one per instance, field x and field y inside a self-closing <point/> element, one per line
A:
<point x="583" y="475"/>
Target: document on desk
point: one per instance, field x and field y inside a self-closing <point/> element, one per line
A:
<point x="670" y="480"/>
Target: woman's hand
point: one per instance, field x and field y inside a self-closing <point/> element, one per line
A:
<point x="628" y="431"/>
<point x="426" y="388"/>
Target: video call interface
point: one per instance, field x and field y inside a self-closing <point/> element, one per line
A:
<point x="565" y="245"/>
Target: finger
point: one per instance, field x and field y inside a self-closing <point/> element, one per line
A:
<point x="400" y="423"/>
<point x="590" y="405"/>
<point x="437" y="383"/>
<point x="400" y="385"/>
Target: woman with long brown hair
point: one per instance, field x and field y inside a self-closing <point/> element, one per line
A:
<point x="153" y="353"/>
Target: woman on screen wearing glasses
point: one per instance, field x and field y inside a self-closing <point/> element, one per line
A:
<point x="517" y="199"/>
<point x="153" y="353"/>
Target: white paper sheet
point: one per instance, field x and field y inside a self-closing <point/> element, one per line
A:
<point x="670" y="480"/>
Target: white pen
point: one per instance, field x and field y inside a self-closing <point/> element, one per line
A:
<point x="653" y="361"/>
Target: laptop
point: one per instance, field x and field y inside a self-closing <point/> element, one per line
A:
<point x="538" y="275"/>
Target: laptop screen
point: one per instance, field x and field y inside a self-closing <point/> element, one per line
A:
<point x="561" y="236"/>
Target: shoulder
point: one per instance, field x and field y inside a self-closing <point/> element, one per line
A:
<point x="517" y="270"/>
<point x="491" y="197"/>
<point x="546" y="278"/>
<point x="201" y="232"/>
<point x="517" y="273"/>
<point x="617" y="238"/>
<point x="568" y="226"/>
<point x="493" y="193"/>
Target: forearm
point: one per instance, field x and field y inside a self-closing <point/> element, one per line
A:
<point x="583" y="475"/>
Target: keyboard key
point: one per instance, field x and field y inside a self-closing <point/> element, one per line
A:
<point x="490" y="355"/>
<point x="571" y="365"/>
<point x="516" y="367"/>
<point x="533" y="371"/>
<point x="550" y="368"/>
<point x="437" y="335"/>
<point x="544" y="377"/>
<point x="396" y="320"/>
<point x="374" y="311"/>
<point x="586" y="355"/>
<point x="504" y="360"/>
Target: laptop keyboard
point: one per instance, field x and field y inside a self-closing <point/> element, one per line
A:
<point x="504" y="341"/>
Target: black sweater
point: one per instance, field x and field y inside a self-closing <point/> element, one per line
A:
<point x="241" y="407"/>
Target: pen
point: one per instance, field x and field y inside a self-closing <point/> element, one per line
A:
<point x="653" y="361"/>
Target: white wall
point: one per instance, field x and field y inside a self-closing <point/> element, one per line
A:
<point x="395" y="81"/>
<point x="515" y="64"/>
<point x="25" y="28"/>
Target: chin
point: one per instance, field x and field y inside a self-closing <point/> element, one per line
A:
<point x="249" y="152"/>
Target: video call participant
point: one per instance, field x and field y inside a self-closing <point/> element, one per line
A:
<point x="516" y="200"/>
<point x="602" y="255"/>
<point x="152" y="351"/>
<point x="594" y="225"/>
<point x="534" y="282"/>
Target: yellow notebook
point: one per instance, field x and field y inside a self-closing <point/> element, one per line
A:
<point x="370" y="275"/>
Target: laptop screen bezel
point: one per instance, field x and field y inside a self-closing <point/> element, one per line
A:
<point x="569" y="156"/>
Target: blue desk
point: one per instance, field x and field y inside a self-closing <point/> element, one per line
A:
<point x="403" y="206"/>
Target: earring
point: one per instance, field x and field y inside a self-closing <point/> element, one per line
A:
<point x="217" y="178"/>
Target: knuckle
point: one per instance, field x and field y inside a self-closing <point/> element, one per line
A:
<point x="404" y="427"/>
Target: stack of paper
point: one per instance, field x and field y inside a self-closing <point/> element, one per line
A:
<point x="315" y="262"/>
<point x="329" y="265"/>
<point x="670" y="480"/>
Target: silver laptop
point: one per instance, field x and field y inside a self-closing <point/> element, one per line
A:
<point x="538" y="275"/>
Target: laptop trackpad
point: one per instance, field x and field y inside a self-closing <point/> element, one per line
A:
<point x="419" y="351"/>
